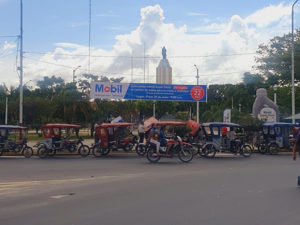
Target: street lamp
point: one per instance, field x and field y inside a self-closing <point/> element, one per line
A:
<point x="197" y="85"/>
<point x="74" y="73"/>
<point x="293" y="66"/>
<point x="275" y="94"/>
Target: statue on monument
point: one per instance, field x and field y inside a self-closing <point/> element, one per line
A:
<point x="164" y="52"/>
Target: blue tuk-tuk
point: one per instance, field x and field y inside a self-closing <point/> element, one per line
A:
<point x="224" y="137"/>
<point x="275" y="136"/>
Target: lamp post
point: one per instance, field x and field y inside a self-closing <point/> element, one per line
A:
<point x="74" y="70"/>
<point x="275" y="93"/>
<point x="197" y="85"/>
<point x="293" y="66"/>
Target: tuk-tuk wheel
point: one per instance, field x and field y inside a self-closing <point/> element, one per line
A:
<point x="141" y="150"/>
<point x="84" y="150"/>
<point x="27" y="152"/>
<point x="246" y="150"/>
<point x="42" y="152"/>
<point x="262" y="148"/>
<point x="210" y="151"/>
<point x="97" y="152"/>
<point x="128" y="147"/>
<point x="273" y="148"/>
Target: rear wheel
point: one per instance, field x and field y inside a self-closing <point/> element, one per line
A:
<point x="209" y="151"/>
<point x="128" y="147"/>
<point x="84" y="150"/>
<point x="262" y="148"/>
<point x="27" y="152"/>
<point x="42" y="152"/>
<point x="152" y="155"/>
<point x="186" y="154"/>
<point x="246" y="150"/>
<point x="51" y="152"/>
<point x="105" y="151"/>
<point x="97" y="151"/>
<point x="273" y="148"/>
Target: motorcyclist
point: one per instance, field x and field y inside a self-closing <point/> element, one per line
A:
<point x="163" y="138"/>
<point x="153" y="138"/>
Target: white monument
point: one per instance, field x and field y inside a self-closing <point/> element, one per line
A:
<point x="264" y="108"/>
<point x="164" y="70"/>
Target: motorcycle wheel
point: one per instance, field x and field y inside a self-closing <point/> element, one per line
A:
<point x="141" y="150"/>
<point x="210" y="151"/>
<point x="27" y="152"/>
<point x="97" y="151"/>
<point x="152" y="155"/>
<point x="273" y="148"/>
<point x="186" y="154"/>
<point x="246" y="150"/>
<point x="42" y="152"/>
<point x="84" y="150"/>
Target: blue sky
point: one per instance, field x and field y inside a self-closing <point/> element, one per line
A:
<point x="49" y="22"/>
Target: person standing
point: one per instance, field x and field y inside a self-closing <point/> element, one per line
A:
<point x="295" y="148"/>
<point x="141" y="131"/>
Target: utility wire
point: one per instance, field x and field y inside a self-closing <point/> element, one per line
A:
<point x="141" y="57"/>
<point x="115" y="73"/>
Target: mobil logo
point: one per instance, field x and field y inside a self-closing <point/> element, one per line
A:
<point x="108" y="88"/>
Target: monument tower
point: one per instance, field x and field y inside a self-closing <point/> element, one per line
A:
<point x="164" y="70"/>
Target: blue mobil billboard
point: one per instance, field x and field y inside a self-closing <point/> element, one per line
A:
<point x="141" y="91"/>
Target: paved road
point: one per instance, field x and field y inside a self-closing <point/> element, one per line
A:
<point x="124" y="189"/>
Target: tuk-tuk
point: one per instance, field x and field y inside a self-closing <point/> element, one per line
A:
<point x="275" y="136"/>
<point x="174" y="145"/>
<point x="58" y="138"/>
<point x="13" y="139"/>
<point x="224" y="137"/>
<point x="112" y="137"/>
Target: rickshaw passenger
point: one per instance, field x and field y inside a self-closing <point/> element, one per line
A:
<point x="162" y="137"/>
<point x="231" y="136"/>
<point x="224" y="135"/>
<point x="153" y="136"/>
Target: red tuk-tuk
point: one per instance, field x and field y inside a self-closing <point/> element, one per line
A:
<point x="113" y="136"/>
<point x="174" y="145"/>
<point x="58" y="138"/>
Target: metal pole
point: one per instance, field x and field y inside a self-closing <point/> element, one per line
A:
<point x="275" y="97"/>
<point x="6" y="109"/>
<point x="144" y="64"/>
<point x="90" y="26"/>
<point x="154" y="109"/>
<point x="293" y="66"/>
<point x="21" y="65"/>
<point x="197" y="101"/>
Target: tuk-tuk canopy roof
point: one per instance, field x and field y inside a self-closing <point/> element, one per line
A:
<point x="281" y="124"/>
<point x="194" y="126"/>
<point x="60" y="125"/>
<point x="10" y="127"/>
<point x="116" y="125"/>
<point x="220" y="124"/>
<point x="169" y="123"/>
<point x="149" y="122"/>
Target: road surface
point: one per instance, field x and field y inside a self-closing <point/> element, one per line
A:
<point x="126" y="189"/>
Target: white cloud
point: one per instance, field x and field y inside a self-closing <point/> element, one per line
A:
<point x="196" y="14"/>
<point x="215" y="40"/>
